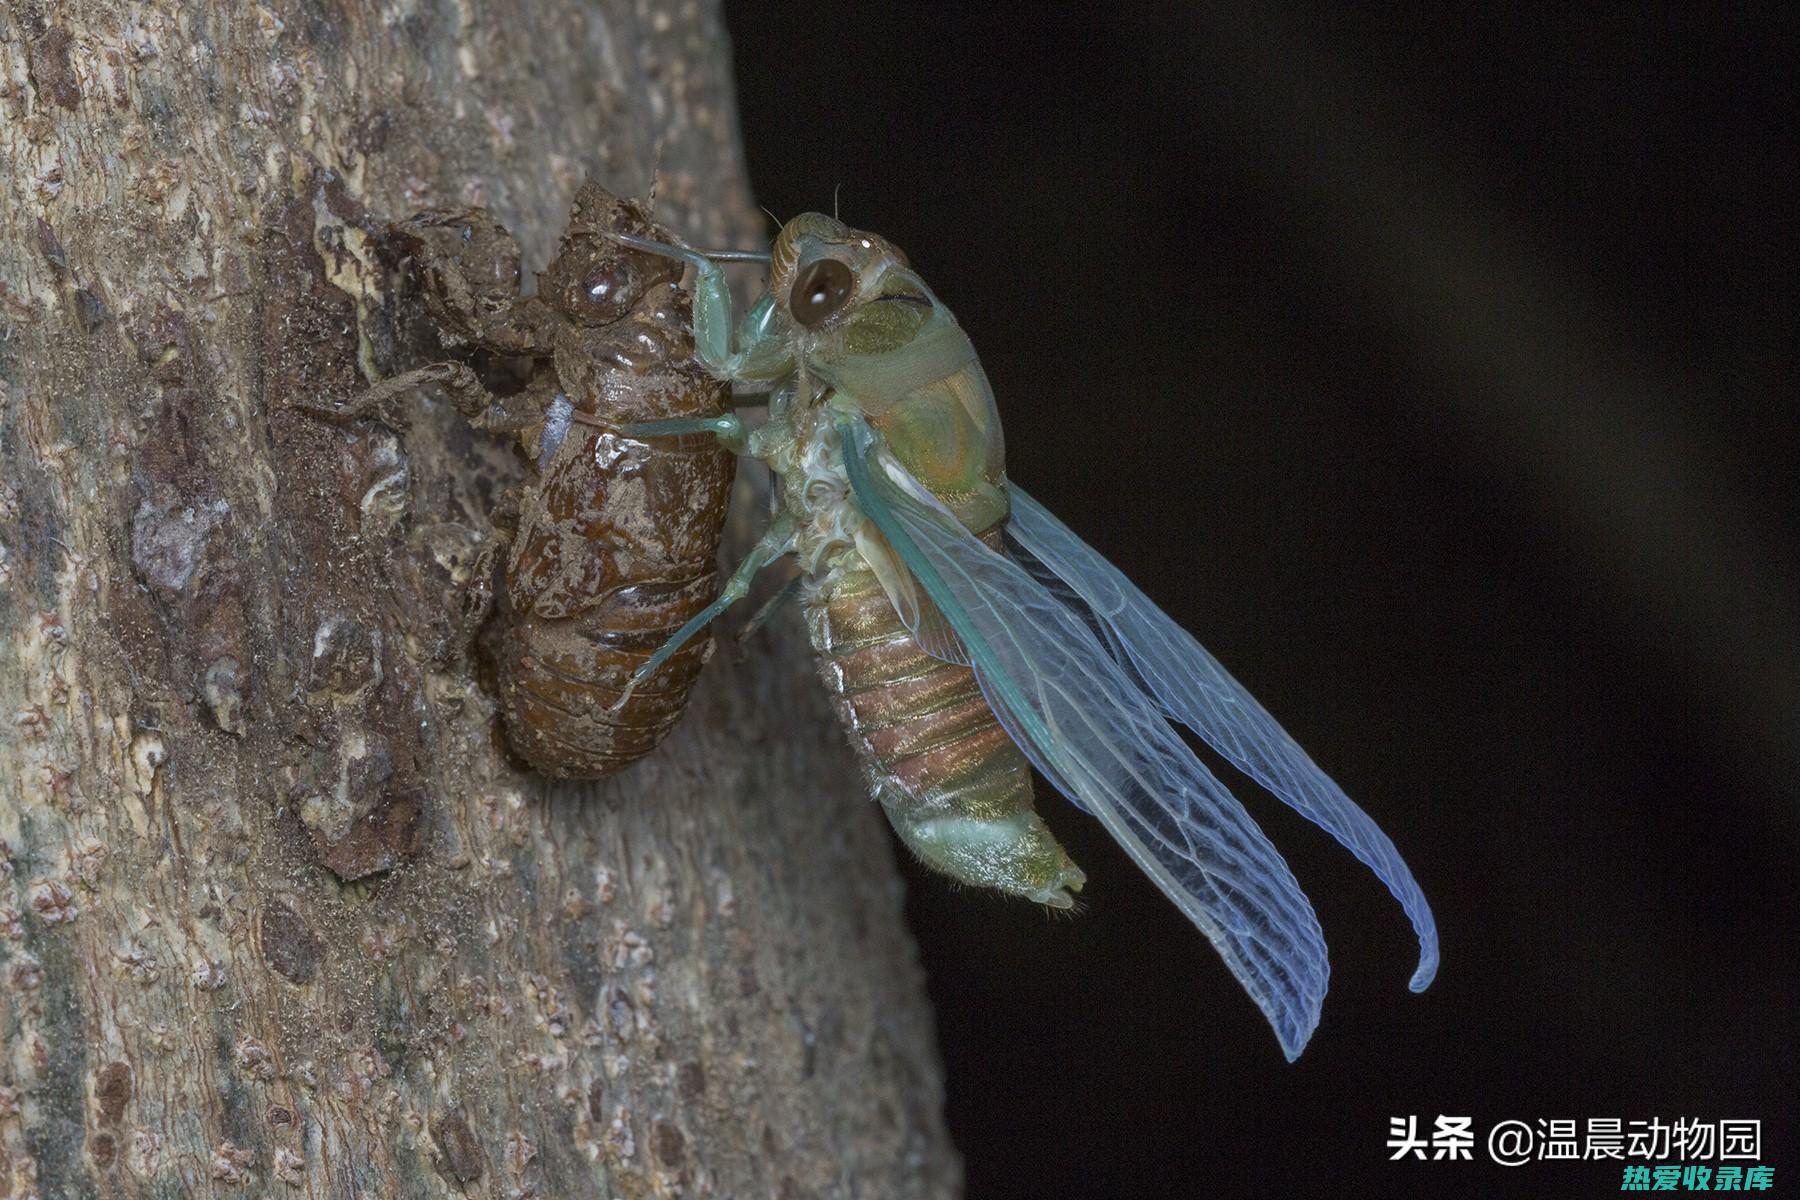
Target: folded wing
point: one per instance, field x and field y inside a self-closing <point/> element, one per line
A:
<point x="1191" y="686"/>
<point x="1101" y="740"/>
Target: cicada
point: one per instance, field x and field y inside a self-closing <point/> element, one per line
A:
<point x="612" y="542"/>
<point x="965" y="634"/>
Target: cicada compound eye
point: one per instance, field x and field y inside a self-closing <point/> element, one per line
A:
<point x="603" y="293"/>
<point x="821" y="291"/>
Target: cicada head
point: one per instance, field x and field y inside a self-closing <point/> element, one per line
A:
<point x="843" y="287"/>
<point x="594" y="280"/>
<point x="868" y="326"/>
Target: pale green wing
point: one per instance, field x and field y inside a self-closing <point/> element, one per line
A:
<point x="1103" y="742"/>
<point x="1191" y="686"/>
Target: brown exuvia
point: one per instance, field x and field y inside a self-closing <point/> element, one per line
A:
<point x="611" y="544"/>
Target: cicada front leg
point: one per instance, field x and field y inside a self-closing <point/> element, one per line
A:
<point x="729" y="429"/>
<point x="755" y="352"/>
<point x="507" y="415"/>
<point x="480" y="407"/>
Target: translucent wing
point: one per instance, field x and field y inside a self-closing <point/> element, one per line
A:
<point x="1193" y="688"/>
<point x="1102" y="741"/>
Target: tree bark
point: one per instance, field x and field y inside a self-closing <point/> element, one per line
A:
<point x="276" y="915"/>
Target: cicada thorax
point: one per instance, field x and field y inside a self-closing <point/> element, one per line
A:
<point x="617" y="543"/>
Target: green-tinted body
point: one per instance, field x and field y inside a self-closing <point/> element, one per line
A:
<point x="870" y="338"/>
<point x="1089" y="675"/>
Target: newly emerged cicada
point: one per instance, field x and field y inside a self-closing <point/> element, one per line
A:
<point x="612" y="542"/>
<point x="964" y="632"/>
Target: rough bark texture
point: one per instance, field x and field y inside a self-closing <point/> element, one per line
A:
<point x="276" y="916"/>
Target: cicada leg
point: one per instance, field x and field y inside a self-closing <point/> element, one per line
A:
<point x="761" y="617"/>
<point x="480" y="407"/>
<point x="483" y="410"/>
<point x="729" y="429"/>
<point x="777" y="540"/>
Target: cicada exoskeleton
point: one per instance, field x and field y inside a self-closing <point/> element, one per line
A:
<point x="618" y="538"/>
<point x="611" y="543"/>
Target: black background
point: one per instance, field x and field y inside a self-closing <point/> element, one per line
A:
<point x="1439" y="372"/>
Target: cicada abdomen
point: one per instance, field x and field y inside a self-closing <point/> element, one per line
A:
<point x="612" y="541"/>
<point x="618" y="538"/>
<point x="954" y="785"/>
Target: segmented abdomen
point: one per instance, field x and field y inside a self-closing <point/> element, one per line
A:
<point x="560" y="678"/>
<point x="921" y="726"/>
<point x="618" y="550"/>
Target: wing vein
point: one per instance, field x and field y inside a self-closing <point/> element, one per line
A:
<point x="1101" y="740"/>
<point x="1192" y="687"/>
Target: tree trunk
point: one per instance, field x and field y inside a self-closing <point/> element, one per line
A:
<point x="276" y="915"/>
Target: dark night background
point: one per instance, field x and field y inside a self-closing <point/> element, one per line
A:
<point x="1438" y="371"/>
